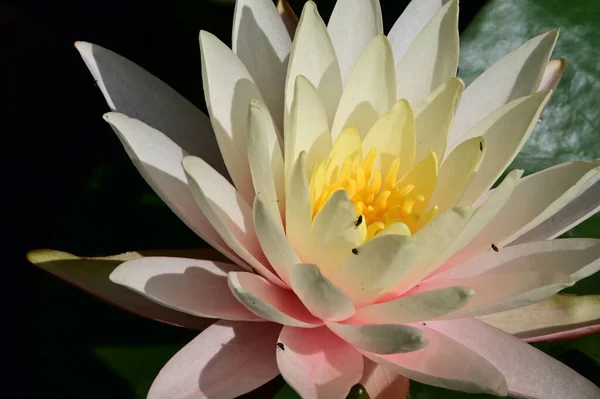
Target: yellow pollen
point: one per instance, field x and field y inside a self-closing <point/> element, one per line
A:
<point x="381" y="201"/>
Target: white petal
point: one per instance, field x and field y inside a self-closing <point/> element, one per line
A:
<point x="203" y="368"/>
<point x="433" y="243"/>
<point x="229" y="214"/>
<point x="308" y="129"/>
<point x="317" y="364"/>
<point x="228" y="89"/>
<point x="408" y="26"/>
<point x="519" y="275"/>
<point x="529" y="372"/>
<point x="411" y="308"/>
<point x="434" y="116"/>
<point x="261" y="41"/>
<point x="314" y="57"/>
<point x="457" y="172"/>
<point x="536" y="198"/>
<point x="133" y="91"/>
<point x="481" y="217"/>
<point x="352" y="25"/>
<point x="505" y="132"/>
<point x="334" y="232"/>
<point x="584" y="205"/>
<point x="193" y="286"/>
<point x="320" y="296"/>
<point x="432" y="58"/>
<point x="266" y="160"/>
<point x="445" y="363"/>
<point x="370" y="91"/>
<point x="273" y="240"/>
<point x="375" y="267"/>
<point x="269" y="301"/>
<point x="298" y="214"/>
<point x="158" y="159"/>
<point x="384" y="339"/>
<point x="515" y="75"/>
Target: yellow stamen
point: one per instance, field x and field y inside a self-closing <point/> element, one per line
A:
<point x="402" y="203"/>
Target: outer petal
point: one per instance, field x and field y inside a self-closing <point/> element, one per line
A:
<point x="432" y="58"/>
<point x="558" y="317"/>
<point x="266" y="160"/>
<point x="320" y="296"/>
<point x="436" y="364"/>
<point x="91" y="276"/>
<point x="290" y="19"/>
<point x="158" y="159"/>
<point x="552" y="74"/>
<point x="333" y="232"/>
<point x="261" y="41"/>
<point x="387" y="258"/>
<point x="434" y="116"/>
<point x="515" y="75"/>
<point x="424" y="306"/>
<point x="269" y="301"/>
<point x="194" y="286"/>
<point x="228" y="213"/>
<point x="364" y="18"/>
<point x="370" y="91"/>
<point x="529" y="372"/>
<point x="584" y="205"/>
<point x="224" y="352"/>
<point x="318" y="364"/>
<point x="520" y="275"/>
<point x="457" y="172"/>
<point x="408" y="26"/>
<point x="505" y="132"/>
<point x="273" y="241"/>
<point x="536" y="198"/>
<point x="384" y="338"/>
<point x="131" y="90"/>
<point x="314" y="57"/>
<point x="308" y="129"/>
<point x="382" y="383"/>
<point x="228" y="89"/>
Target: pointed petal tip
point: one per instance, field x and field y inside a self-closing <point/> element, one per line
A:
<point x="37" y="256"/>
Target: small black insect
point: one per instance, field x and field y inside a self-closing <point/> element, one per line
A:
<point x="358" y="221"/>
<point x="281" y="346"/>
<point x="355" y="251"/>
<point x="495" y="248"/>
<point x="481" y="146"/>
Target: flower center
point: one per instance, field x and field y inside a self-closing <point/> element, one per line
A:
<point x="383" y="203"/>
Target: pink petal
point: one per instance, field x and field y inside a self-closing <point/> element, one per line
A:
<point x="226" y="360"/>
<point x="383" y="383"/>
<point x="318" y="364"/>
<point x="567" y="334"/>
<point x="269" y="301"/>
<point x="445" y="363"/>
<point x="91" y="276"/>
<point x="529" y="372"/>
<point x="194" y="286"/>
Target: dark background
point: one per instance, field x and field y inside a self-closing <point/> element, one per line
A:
<point x="71" y="186"/>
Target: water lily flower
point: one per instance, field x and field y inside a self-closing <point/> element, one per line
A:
<point x="347" y="178"/>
